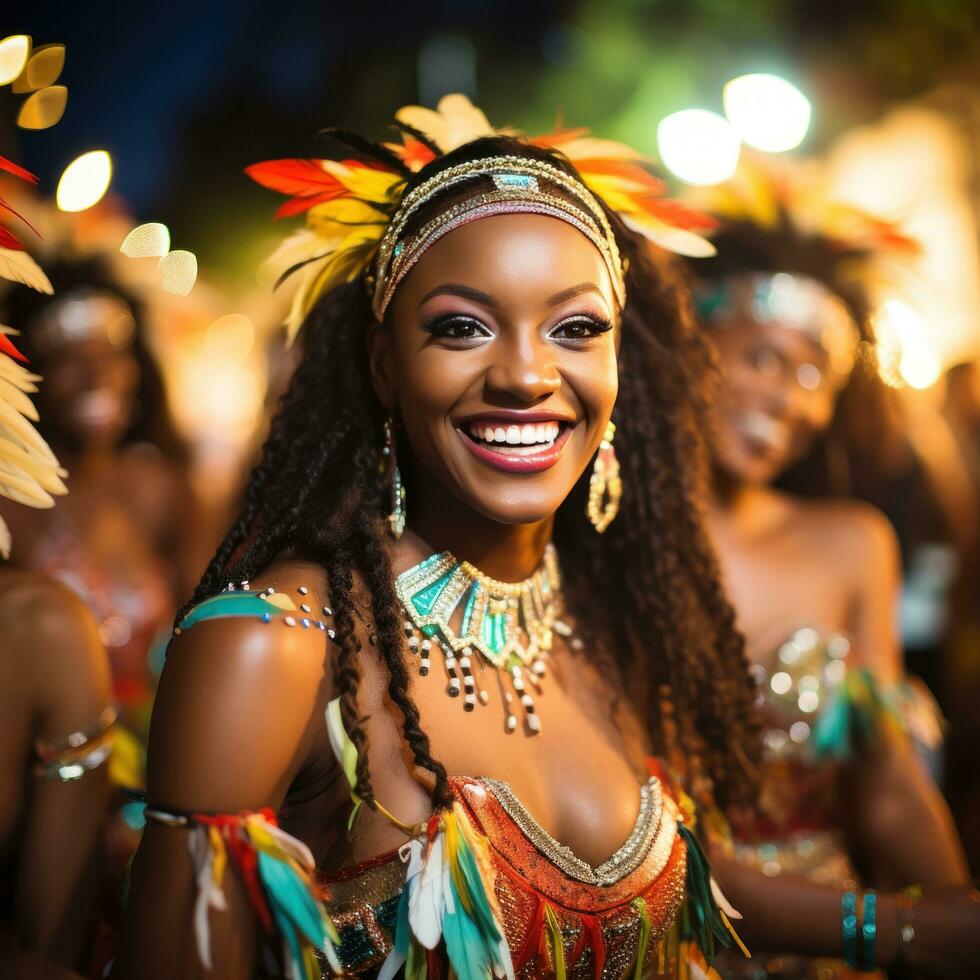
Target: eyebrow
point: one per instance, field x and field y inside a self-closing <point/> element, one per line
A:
<point x="467" y="292"/>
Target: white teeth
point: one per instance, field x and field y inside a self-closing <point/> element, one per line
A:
<point x="543" y="433"/>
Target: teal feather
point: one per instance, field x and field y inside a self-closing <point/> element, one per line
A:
<point x="289" y="896"/>
<point x="485" y="919"/>
<point x="465" y="945"/>
<point x="852" y="717"/>
<point x="288" y="933"/>
<point x="708" y="928"/>
<point x="134" y="814"/>
<point x="403" y="932"/>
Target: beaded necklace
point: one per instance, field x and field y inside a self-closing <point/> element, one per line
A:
<point x="508" y="626"/>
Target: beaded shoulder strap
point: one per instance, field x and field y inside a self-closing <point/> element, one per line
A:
<point x="266" y="606"/>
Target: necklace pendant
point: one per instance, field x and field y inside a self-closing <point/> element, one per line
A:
<point x="502" y="625"/>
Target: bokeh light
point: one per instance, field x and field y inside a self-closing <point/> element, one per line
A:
<point x="904" y="352"/>
<point x="229" y="338"/>
<point x="43" y="68"/>
<point x="148" y="240"/>
<point x="179" y="269"/>
<point x="84" y="181"/>
<point x="767" y="111"/>
<point x="698" y="146"/>
<point x="14" y="51"/>
<point x="44" y="108"/>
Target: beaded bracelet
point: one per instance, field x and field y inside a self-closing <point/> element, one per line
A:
<point x="869" y="932"/>
<point x="848" y="928"/>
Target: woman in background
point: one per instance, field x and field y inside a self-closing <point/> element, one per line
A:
<point x="815" y="584"/>
<point x="56" y="719"/>
<point x="116" y="540"/>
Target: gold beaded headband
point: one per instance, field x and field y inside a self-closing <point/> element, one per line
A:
<point x="358" y="211"/>
<point x="518" y="190"/>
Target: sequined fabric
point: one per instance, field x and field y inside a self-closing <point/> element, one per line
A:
<point x="596" y="920"/>
<point x="798" y="827"/>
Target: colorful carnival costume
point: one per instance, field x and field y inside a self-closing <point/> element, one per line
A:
<point x="819" y="714"/>
<point x="481" y="890"/>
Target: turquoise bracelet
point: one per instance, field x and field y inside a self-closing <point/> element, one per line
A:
<point x="848" y="928"/>
<point x="869" y="932"/>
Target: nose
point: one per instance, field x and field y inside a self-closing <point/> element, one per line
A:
<point x="524" y="370"/>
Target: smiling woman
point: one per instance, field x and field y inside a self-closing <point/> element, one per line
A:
<point x="466" y="345"/>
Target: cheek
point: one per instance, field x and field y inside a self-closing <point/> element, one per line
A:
<point x="594" y="379"/>
<point x="820" y="411"/>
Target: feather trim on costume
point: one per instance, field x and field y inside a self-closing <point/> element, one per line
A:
<point x="277" y="873"/>
<point x="860" y="706"/>
<point x="449" y="891"/>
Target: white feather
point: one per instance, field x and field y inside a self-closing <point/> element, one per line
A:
<point x="719" y="896"/>
<point x="426" y="906"/>
<point x="209" y="896"/>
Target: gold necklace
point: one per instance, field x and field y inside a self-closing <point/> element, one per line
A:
<point x="510" y="625"/>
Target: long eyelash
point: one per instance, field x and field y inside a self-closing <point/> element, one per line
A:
<point x="439" y="325"/>
<point x="599" y="325"/>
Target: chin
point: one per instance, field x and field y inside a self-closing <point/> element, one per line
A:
<point x="517" y="507"/>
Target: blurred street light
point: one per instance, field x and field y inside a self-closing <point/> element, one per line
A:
<point x="698" y="146"/>
<point x="84" y="181"/>
<point x="767" y="111"/>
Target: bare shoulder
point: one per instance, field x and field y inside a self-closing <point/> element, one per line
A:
<point x="48" y="623"/>
<point x="51" y="640"/>
<point x="241" y="699"/>
<point x="856" y="534"/>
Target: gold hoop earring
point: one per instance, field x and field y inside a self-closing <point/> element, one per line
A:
<point x="605" y="485"/>
<point x="396" y="516"/>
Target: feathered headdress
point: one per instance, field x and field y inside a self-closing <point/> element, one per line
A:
<point x="29" y="470"/>
<point x="770" y="193"/>
<point x="353" y="205"/>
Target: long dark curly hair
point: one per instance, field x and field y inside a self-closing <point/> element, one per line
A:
<point x="648" y="590"/>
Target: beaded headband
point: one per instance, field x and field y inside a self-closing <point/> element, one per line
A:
<point x="358" y="209"/>
<point x="787" y="300"/>
<point x="518" y="190"/>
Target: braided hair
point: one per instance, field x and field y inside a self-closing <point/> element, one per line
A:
<point x="648" y="590"/>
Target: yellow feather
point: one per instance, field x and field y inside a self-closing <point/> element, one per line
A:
<point x="20" y="267"/>
<point x="5" y="540"/>
<point x="46" y="473"/>
<point x="377" y="186"/>
<point x="591" y="148"/>
<point x="452" y="123"/>
<point x="23" y="489"/>
<point x="677" y="240"/>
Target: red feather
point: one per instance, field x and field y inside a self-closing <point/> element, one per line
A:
<point x="413" y="153"/>
<point x="677" y="214"/>
<point x="558" y="137"/>
<point x="12" y="168"/>
<point x="9" y="240"/>
<point x="305" y="181"/>
<point x="297" y="178"/>
<point x="299" y="205"/>
<point x="17" y="214"/>
<point x="7" y="347"/>
<point x="626" y="169"/>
